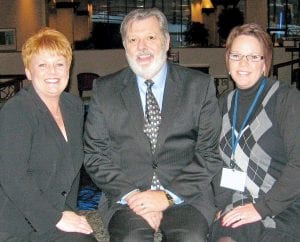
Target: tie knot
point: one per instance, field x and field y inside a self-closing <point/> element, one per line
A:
<point x="149" y="83"/>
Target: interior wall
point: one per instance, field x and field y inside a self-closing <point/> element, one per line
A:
<point x="82" y="29"/>
<point x="26" y="17"/>
<point x="65" y="22"/>
<point x="256" y="11"/>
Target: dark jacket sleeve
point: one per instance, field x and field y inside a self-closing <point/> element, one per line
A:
<point x="286" y="189"/>
<point x="222" y="196"/>
<point x="197" y="176"/>
<point x="98" y="152"/>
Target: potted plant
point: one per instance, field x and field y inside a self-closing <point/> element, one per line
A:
<point x="196" y="35"/>
<point x="228" y="19"/>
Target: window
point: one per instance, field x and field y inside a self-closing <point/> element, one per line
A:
<point x="284" y="19"/>
<point x="177" y="12"/>
<point x="7" y="39"/>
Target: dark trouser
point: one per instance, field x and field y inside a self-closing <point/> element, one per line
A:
<point x="51" y="236"/>
<point x="180" y="223"/>
<point x="253" y="232"/>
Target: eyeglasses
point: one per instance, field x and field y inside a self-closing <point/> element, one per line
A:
<point x="252" y="58"/>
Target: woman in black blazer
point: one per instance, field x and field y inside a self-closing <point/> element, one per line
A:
<point x="41" y="149"/>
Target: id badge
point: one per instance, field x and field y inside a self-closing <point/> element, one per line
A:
<point x="233" y="179"/>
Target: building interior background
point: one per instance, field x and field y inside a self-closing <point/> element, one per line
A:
<point x="198" y="30"/>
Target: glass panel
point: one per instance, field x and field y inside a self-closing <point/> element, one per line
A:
<point x="177" y="12"/>
<point x="284" y="19"/>
<point x="7" y="39"/>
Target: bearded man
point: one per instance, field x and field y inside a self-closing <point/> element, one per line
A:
<point x="151" y="140"/>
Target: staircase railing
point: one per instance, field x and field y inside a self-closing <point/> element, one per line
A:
<point x="287" y="63"/>
<point x="9" y="86"/>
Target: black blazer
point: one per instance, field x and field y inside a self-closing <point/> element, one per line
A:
<point x="117" y="151"/>
<point x="39" y="170"/>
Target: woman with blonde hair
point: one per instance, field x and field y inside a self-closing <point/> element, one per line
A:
<point x="41" y="149"/>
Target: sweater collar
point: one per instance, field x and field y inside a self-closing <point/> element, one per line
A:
<point x="251" y="91"/>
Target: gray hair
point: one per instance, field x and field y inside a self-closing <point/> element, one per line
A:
<point x="140" y="14"/>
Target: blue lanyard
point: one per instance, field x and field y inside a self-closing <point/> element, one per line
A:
<point x="234" y="141"/>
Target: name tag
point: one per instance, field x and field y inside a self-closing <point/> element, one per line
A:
<point x="233" y="179"/>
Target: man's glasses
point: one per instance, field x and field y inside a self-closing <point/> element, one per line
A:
<point x="252" y="58"/>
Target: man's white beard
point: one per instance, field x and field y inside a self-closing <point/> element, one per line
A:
<point x="148" y="72"/>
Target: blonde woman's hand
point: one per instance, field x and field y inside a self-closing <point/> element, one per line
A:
<point x="71" y="222"/>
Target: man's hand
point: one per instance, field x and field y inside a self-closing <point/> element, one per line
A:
<point x="153" y="219"/>
<point x="71" y="222"/>
<point x="148" y="201"/>
<point x="241" y="215"/>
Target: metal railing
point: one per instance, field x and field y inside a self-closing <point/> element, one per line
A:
<point x="10" y="85"/>
<point x="287" y="63"/>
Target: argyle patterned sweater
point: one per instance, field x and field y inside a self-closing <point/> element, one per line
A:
<point x="268" y="151"/>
